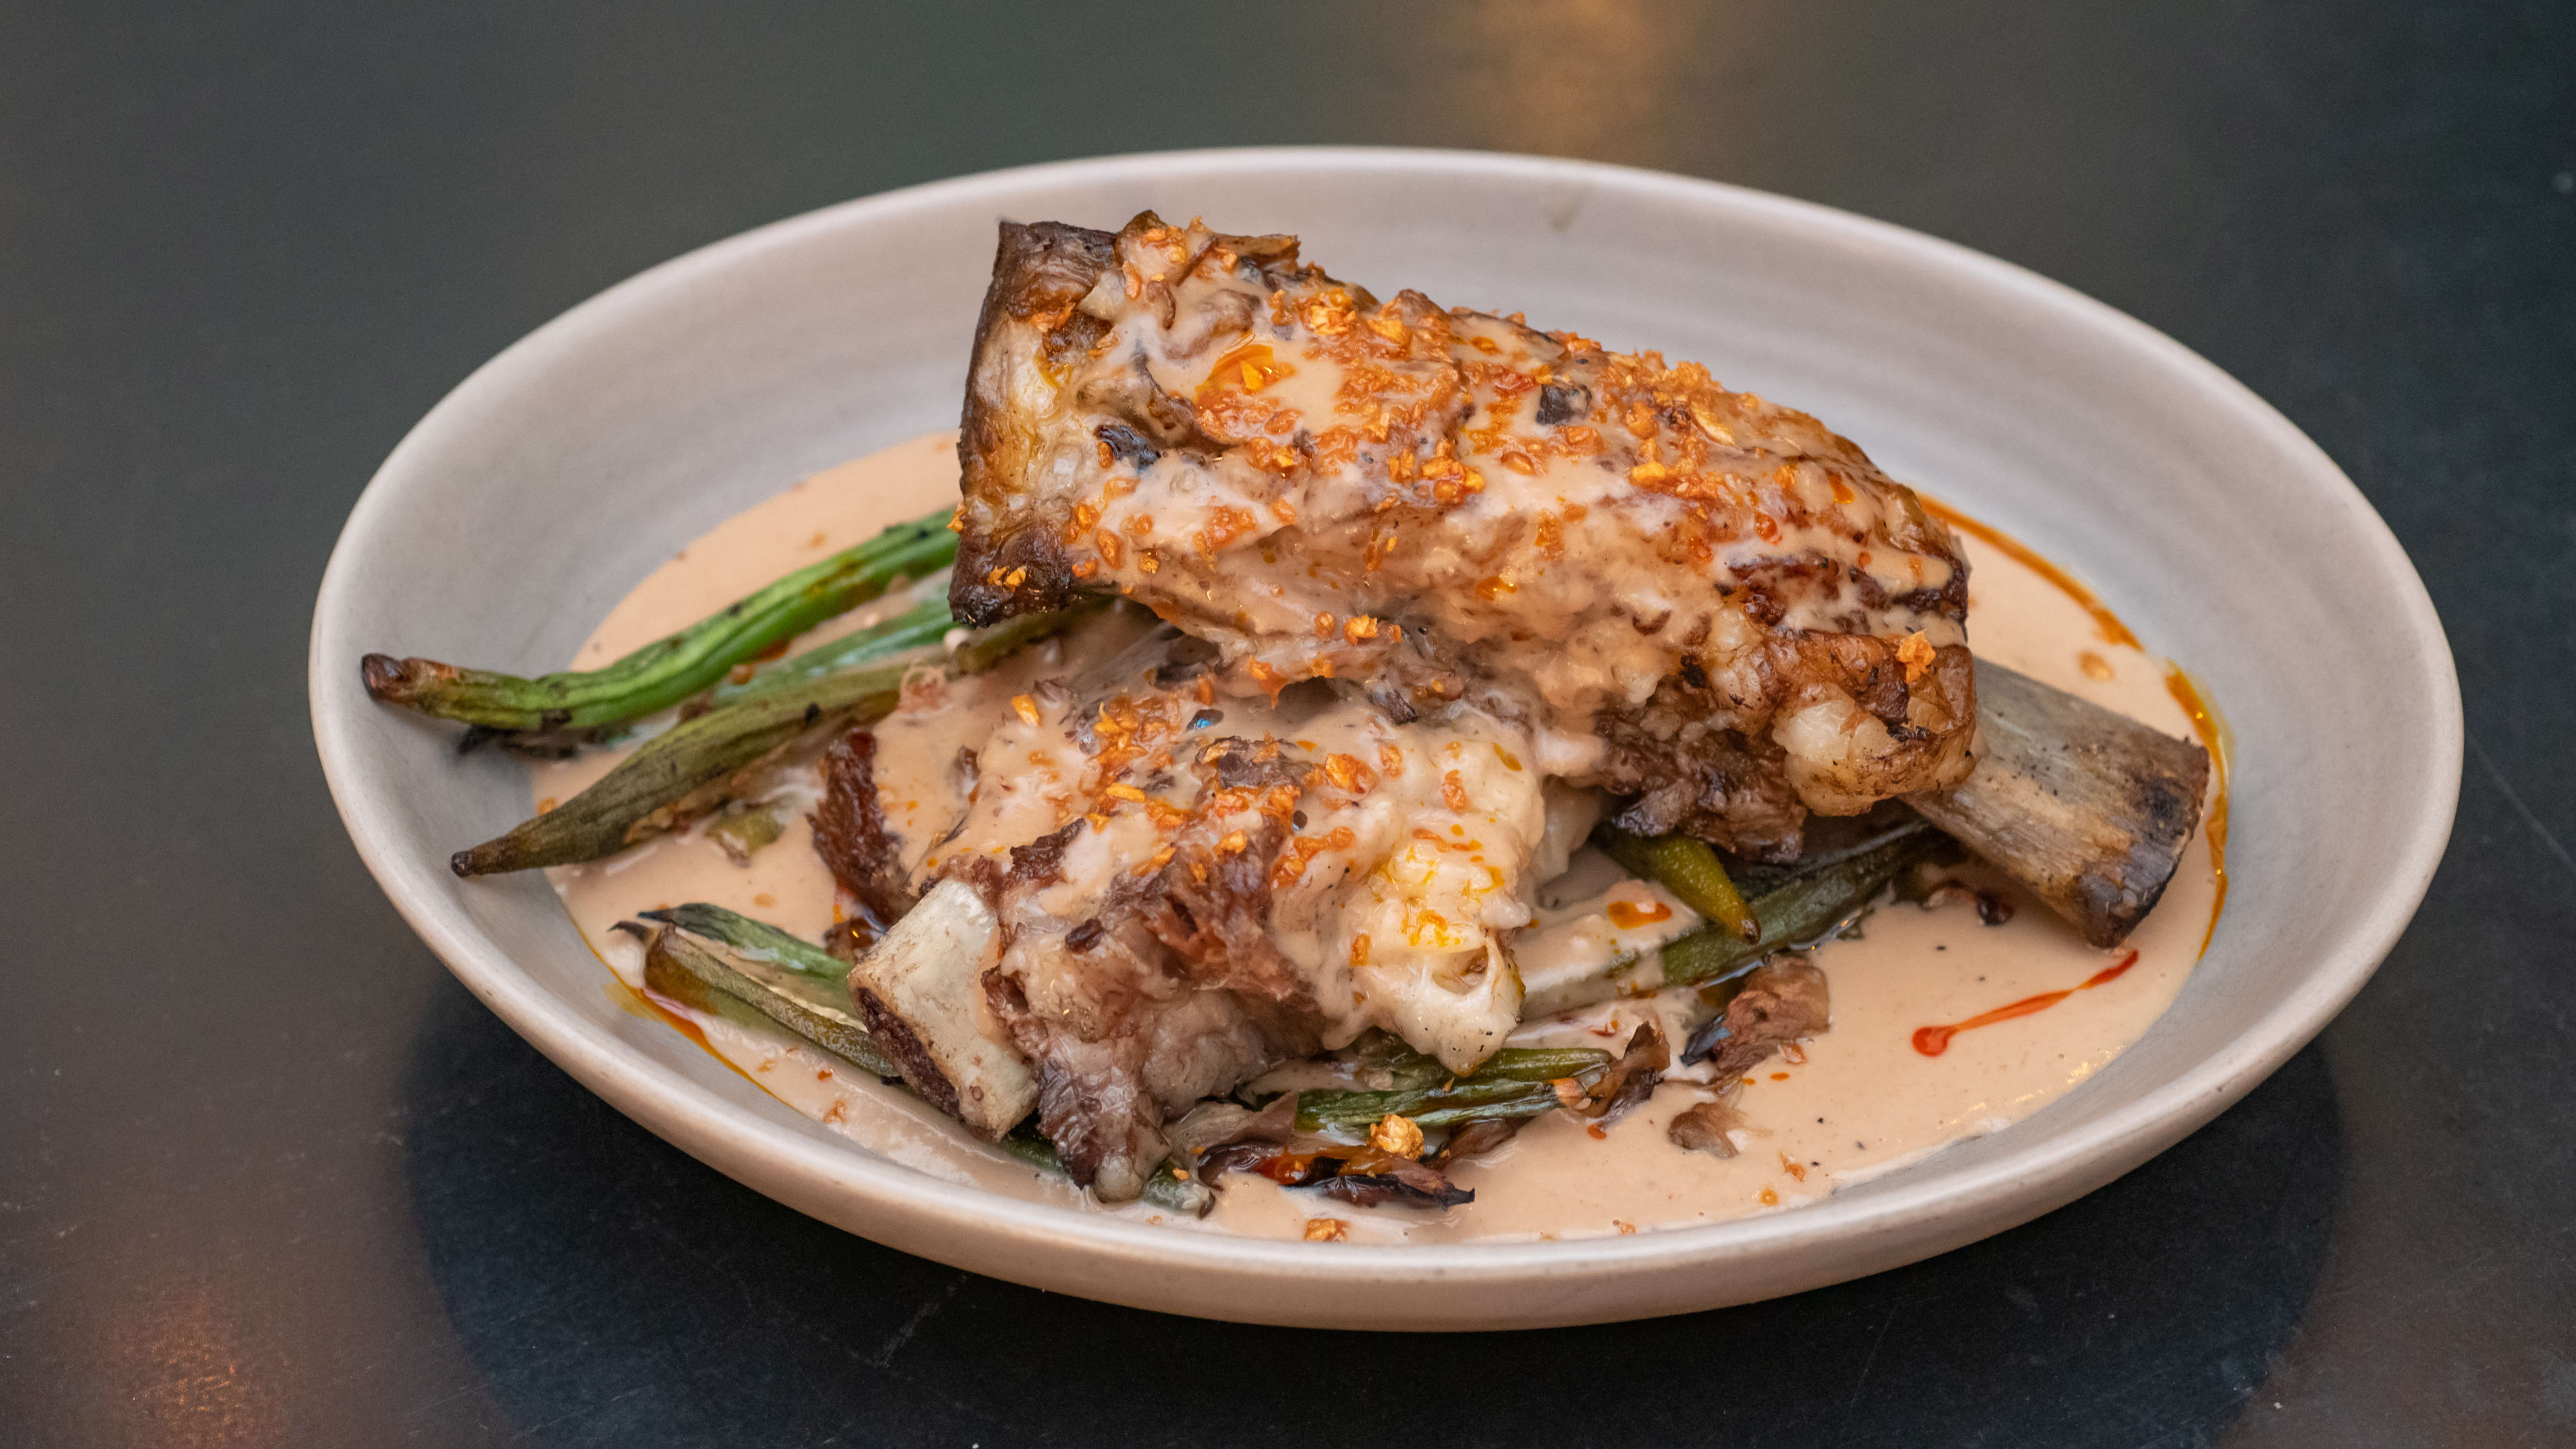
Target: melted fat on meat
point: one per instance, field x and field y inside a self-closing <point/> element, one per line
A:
<point x="1689" y="595"/>
<point x="1193" y="888"/>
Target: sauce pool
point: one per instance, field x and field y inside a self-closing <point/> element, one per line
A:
<point x="1858" y="1101"/>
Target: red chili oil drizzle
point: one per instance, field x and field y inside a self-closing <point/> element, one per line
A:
<point x="1934" y="1040"/>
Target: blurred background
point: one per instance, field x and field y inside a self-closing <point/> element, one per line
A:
<point x="268" y="1175"/>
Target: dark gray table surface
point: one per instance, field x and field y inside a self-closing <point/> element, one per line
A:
<point x="267" y="1175"/>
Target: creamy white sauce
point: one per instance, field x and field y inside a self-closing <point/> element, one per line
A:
<point x="1412" y="845"/>
<point x="1862" y="1101"/>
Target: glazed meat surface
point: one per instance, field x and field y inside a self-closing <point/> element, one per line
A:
<point x="1191" y="888"/>
<point x="1706" y="603"/>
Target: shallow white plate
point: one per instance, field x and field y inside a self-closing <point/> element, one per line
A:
<point x="556" y="476"/>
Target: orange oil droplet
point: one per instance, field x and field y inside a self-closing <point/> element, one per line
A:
<point x="1629" y="915"/>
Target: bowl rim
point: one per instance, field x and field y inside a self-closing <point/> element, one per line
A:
<point x="2037" y="1173"/>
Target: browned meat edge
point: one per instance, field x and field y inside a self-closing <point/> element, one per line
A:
<point x="920" y="1068"/>
<point x="850" y="831"/>
<point x="1040" y="268"/>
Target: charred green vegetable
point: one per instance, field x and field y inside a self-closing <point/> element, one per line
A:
<point x="663" y="673"/>
<point x="743" y="833"/>
<point x="699" y="764"/>
<point x="1687" y="868"/>
<point x="922" y="627"/>
<point x="1176" y="1194"/>
<point x="1803" y="908"/>
<point x="1795" y="906"/>
<point x="758" y="940"/>
<point x="745" y="964"/>
<point x="1405" y="1069"/>
<point x="1514" y="1082"/>
<point x="1430" y="1108"/>
<point x="682" y="773"/>
<point x="678" y="966"/>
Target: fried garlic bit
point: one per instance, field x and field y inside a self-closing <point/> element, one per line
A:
<point x="1397" y="1135"/>
<point x="1326" y="1230"/>
<point x="1916" y="654"/>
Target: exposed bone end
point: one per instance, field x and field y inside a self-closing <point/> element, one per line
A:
<point x="2088" y="808"/>
<point x="917" y="992"/>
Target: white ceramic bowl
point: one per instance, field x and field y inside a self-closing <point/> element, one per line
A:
<point x="642" y="417"/>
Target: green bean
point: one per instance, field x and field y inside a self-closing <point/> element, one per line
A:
<point x="667" y="671"/>
<point x="921" y="627"/>
<point x="1412" y="1070"/>
<point x="1511" y="1080"/>
<point x="1687" y="868"/>
<point x="699" y="764"/>
<point x="681" y="773"/>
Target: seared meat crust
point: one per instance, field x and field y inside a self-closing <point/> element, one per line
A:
<point x="1029" y="324"/>
<point x="1187" y="890"/>
<point x="850" y="832"/>
<point x="1171" y="988"/>
<point x="1702" y="600"/>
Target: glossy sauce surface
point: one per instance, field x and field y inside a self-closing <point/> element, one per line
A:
<point x="1853" y="1102"/>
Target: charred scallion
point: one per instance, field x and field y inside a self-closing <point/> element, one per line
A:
<point x="921" y="627"/>
<point x="742" y="967"/>
<point x="663" y="673"/>
<point x="1514" y="1082"/>
<point x="701" y="763"/>
<point x="681" y="773"/>
<point x="1405" y="1069"/>
<point x="1796" y="909"/>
